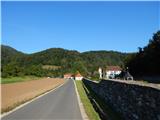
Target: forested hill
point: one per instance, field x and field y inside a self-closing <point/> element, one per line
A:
<point x="96" y="59"/>
<point x="9" y="54"/>
<point x="15" y="63"/>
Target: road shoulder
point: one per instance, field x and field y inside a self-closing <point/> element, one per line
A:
<point x="83" y="113"/>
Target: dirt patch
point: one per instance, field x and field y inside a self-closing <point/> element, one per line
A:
<point x="16" y="93"/>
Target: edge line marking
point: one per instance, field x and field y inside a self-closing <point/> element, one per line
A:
<point x="32" y="100"/>
<point x="81" y="107"/>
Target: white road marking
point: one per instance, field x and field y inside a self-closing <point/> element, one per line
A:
<point x="83" y="113"/>
<point x="24" y="104"/>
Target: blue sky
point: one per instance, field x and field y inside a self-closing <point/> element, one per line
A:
<point x="82" y="26"/>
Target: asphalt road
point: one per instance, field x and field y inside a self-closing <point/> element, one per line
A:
<point x="60" y="104"/>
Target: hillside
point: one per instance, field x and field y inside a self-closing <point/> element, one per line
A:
<point x="8" y="54"/>
<point x="15" y="63"/>
<point x="96" y="59"/>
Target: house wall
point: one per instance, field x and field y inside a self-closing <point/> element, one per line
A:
<point x="134" y="101"/>
<point x="108" y="73"/>
<point x="67" y="77"/>
<point x="78" y="78"/>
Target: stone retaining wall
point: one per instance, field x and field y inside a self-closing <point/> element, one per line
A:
<point x="133" y="101"/>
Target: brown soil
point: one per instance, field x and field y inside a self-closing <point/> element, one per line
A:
<point x="16" y="93"/>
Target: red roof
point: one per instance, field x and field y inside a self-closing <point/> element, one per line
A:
<point x="68" y="75"/>
<point x="113" y="68"/>
<point x="78" y="75"/>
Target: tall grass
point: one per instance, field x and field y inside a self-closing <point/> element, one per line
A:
<point x="18" y="79"/>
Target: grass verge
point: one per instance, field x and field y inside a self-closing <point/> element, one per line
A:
<point x="18" y="79"/>
<point x="101" y="106"/>
<point x="92" y="114"/>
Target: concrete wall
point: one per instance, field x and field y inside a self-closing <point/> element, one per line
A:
<point x="133" y="100"/>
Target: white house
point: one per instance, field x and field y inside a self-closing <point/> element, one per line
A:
<point x="68" y="76"/>
<point x="100" y="73"/>
<point x="78" y="76"/>
<point x="112" y="71"/>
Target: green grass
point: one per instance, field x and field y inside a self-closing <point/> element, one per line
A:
<point x="92" y="114"/>
<point x="110" y="113"/>
<point x="18" y="79"/>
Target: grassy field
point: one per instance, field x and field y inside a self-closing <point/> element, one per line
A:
<point x="92" y="114"/>
<point x="18" y="79"/>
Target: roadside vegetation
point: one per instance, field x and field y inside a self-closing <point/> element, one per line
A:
<point x="18" y="79"/>
<point x="92" y="114"/>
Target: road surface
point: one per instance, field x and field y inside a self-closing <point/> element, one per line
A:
<point x="60" y="104"/>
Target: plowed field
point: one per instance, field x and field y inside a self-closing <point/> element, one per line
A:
<point x="16" y="93"/>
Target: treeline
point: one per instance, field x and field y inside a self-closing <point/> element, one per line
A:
<point x="15" y="63"/>
<point x="95" y="59"/>
<point x="146" y="62"/>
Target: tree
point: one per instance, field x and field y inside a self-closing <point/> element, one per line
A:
<point x="147" y="60"/>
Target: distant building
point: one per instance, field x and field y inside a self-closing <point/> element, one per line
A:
<point x="68" y="76"/>
<point x="100" y="73"/>
<point x="112" y="71"/>
<point x="78" y="76"/>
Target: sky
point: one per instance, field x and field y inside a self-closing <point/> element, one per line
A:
<point x="120" y="26"/>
